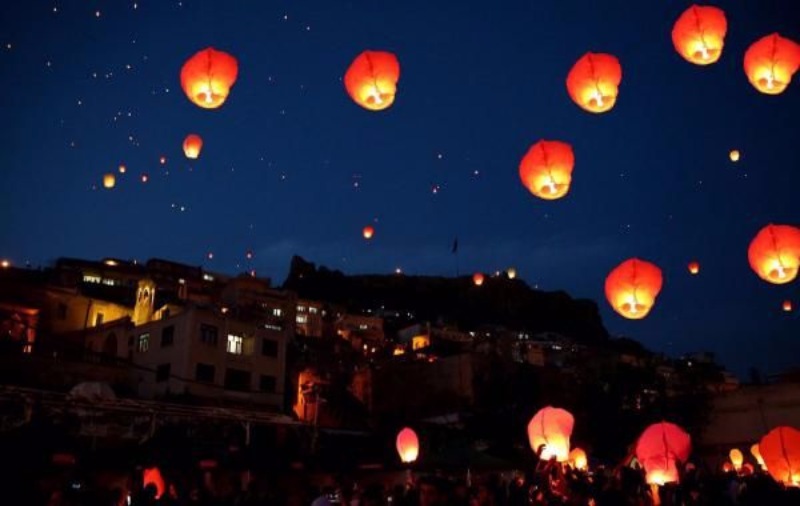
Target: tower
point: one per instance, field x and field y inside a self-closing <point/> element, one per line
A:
<point x="145" y="301"/>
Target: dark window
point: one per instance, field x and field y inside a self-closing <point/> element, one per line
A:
<point x="98" y="319"/>
<point x="62" y="311"/>
<point x="167" y="336"/>
<point x="204" y="372"/>
<point x="162" y="372"/>
<point x="208" y="334"/>
<point x="269" y="348"/>
<point x="267" y="383"/>
<point x="236" y="379"/>
<point x="144" y="343"/>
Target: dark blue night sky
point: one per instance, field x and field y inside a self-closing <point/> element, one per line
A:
<point x="291" y="165"/>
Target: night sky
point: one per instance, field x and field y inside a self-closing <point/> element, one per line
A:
<point x="291" y="165"/>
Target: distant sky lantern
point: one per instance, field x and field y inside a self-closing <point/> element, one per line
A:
<point x="770" y="63"/>
<point x="754" y="450"/>
<point x="787" y="306"/>
<point x="511" y="273"/>
<point x="368" y="232"/>
<point x="153" y="476"/>
<point x="109" y="180"/>
<point x="477" y="278"/>
<point x="632" y="287"/>
<point x="551" y="427"/>
<point x="699" y="34"/>
<point x="774" y="253"/>
<point x="371" y="80"/>
<point x="208" y="76"/>
<point x="694" y="267"/>
<point x="122" y="169"/>
<point x="736" y="458"/>
<point x="192" y="145"/>
<point x="407" y="445"/>
<point x="162" y="160"/>
<point x="780" y="449"/>
<point x="593" y="82"/>
<point x="145" y="178"/>
<point x="546" y="169"/>
<point x="734" y="155"/>
<point x="659" y="449"/>
<point x="578" y="460"/>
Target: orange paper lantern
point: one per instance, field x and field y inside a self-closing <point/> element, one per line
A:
<point x="368" y="232"/>
<point x="754" y="450"/>
<point x="770" y="63"/>
<point x="109" y="180"/>
<point x="578" y="460"/>
<point x="407" y="445"/>
<point x="787" y="306"/>
<point x="660" y="447"/>
<point x="632" y="287"/>
<point x="780" y="449"/>
<point x="551" y="427"/>
<point x="208" y="76"/>
<point x="593" y="82"/>
<point x="699" y="34"/>
<point x="774" y="253"/>
<point x="477" y="278"/>
<point x="694" y="267"/>
<point x="736" y="458"/>
<point x="546" y="169"/>
<point x="152" y="475"/>
<point x="734" y="155"/>
<point x="371" y="80"/>
<point x="192" y="145"/>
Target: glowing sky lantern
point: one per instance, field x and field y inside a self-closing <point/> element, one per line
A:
<point x="734" y="155"/>
<point x="144" y="178"/>
<point x="511" y="273"/>
<point x="192" y="145"/>
<point x="660" y="448"/>
<point x="546" y="169"/>
<point x="770" y="63"/>
<point x="780" y="449"/>
<point x="152" y="475"/>
<point x="632" y="287"/>
<point x="208" y="76"/>
<point x="551" y="427"/>
<point x="368" y="232"/>
<point x="578" y="460"/>
<point x="694" y="267"/>
<point x="109" y="180"/>
<point x="699" y="34"/>
<point x="371" y="80"/>
<point x="774" y="253"/>
<point x="407" y="445"/>
<point x="122" y="168"/>
<point x="736" y="458"/>
<point x="754" y="450"/>
<point x="593" y="82"/>
<point x="477" y="278"/>
<point x="787" y="306"/>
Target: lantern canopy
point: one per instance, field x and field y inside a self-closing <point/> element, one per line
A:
<point x="660" y="447"/>
<point x="754" y="450"/>
<point x="787" y="306"/>
<point x="734" y="155"/>
<point x="632" y="287"/>
<point x="368" y="232"/>
<point x="477" y="278"/>
<point x="694" y="267"/>
<point x="780" y="449"/>
<point x="109" y="180"/>
<point x="578" y="460"/>
<point x="736" y="458"/>
<point x="192" y="145"/>
<point x="208" y="76"/>
<point x="371" y="80"/>
<point x="407" y="445"/>
<point x="546" y="169"/>
<point x="774" y="253"/>
<point x="152" y="475"/>
<point x="551" y="427"/>
<point x="699" y="34"/>
<point x="593" y="82"/>
<point x="511" y="272"/>
<point x="770" y="63"/>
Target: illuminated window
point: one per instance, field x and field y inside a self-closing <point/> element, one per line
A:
<point x="301" y="309"/>
<point x="88" y="278"/>
<point x="301" y="318"/>
<point x="235" y="344"/>
<point x="313" y="310"/>
<point x="277" y="312"/>
<point x="143" y="343"/>
<point x="208" y="277"/>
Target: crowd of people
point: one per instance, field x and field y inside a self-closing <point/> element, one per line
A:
<point x="548" y="483"/>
